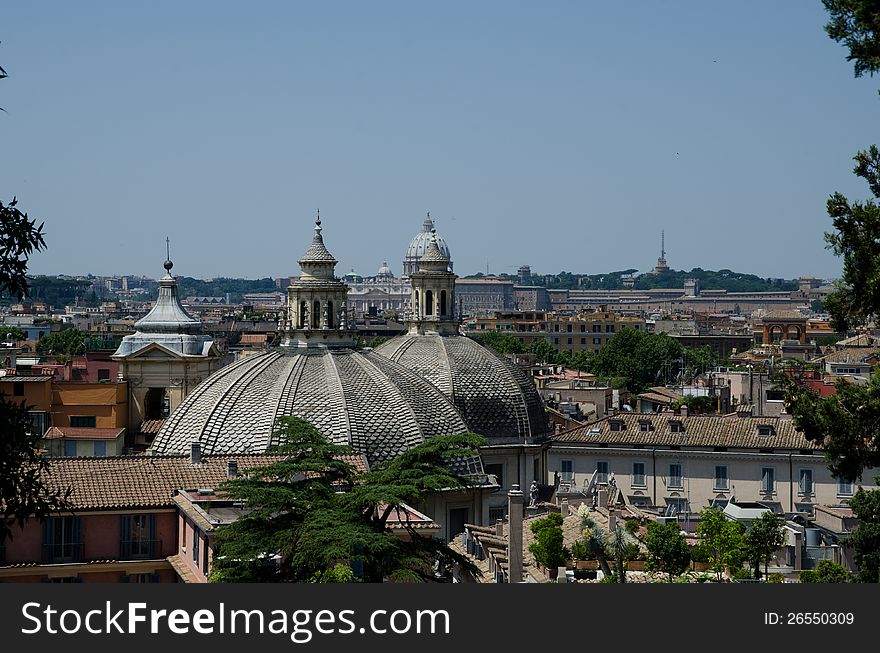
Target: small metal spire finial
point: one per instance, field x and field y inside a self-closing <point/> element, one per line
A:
<point x="168" y="264"/>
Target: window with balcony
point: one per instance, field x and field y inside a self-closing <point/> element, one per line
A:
<point x="768" y="480"/>
<point x="638" y="475"/>
<point x="805" y="483"/>
<point x="602" y="472"/>
<point x="674" y="479"/>
<point x="722" y="482"/>
<point x="141" y="578"/>
<point x="566" y="469"/>
<point x="39" y="421"/>
<point x="138" y="537"/>
<point x="62" y="540"/>
<point x="845" y="488"/>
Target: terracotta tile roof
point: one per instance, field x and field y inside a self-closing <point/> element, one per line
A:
<point x="657" y="397"/>
<point x="118" y="482"/>
<point x="861" y="340"/>
<point x="850" y="355"/>
<point x="17" y="378"/>
<point x="151" y="426"/>
<point x="699" y="431"/>
<point x="78" y="433"/>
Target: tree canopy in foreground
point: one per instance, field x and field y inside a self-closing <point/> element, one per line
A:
<point x="312" y="517"/>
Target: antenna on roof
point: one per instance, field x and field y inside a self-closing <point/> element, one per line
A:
<point x="662" y="244"/>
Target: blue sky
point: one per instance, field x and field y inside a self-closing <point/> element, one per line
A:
<point x="563" y="135"/>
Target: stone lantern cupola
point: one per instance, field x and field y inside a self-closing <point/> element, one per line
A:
<point x="317" y="314"/>
<point x="433" y="294"/>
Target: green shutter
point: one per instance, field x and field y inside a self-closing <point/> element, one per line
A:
<point x="124" y="536"/>
<point x="153" y="537"/>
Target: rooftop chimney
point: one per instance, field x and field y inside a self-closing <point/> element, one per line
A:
<point x="195" y="453"/>
<point x="515" y="534"/>
<point x="231" y="468"/>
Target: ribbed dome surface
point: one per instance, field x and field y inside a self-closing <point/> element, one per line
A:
<point x="495" y="398"/>
<point x="358" y="398"/>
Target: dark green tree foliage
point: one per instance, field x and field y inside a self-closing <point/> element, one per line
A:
<point x="24" y="492"/>
<point x="622" y="549"/>
<point x="503" y="343"/>
<point x="856" y="24"/>
<point x="57" y="291"/>
<point x="857" y="240"/>
<point x="865" y="539"/>
<point x="297" y="513"/>
<point x="723" y="539"/>
<point x="19" y="238"/>
<point x="846" y="424"/>
<point x="764" y="538"/>
<point x="427" y="467"/>
<point x="280" y="497"/>
<point x="639" y="357"/>
<point x="668" y="551"/>
<point x="14" y="333"/>
<point x="826" y="572"/>
<point x="548" y="547"/>
<point x="69" y="342"/>
<point x="595" y="541"/>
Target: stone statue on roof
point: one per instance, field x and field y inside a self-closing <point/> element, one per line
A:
<point x="533" y="494"/>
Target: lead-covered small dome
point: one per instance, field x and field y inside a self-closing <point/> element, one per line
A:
<point x="419" y="245"/>
<point x="495" y="397"/>
<point x="167" y="324"/>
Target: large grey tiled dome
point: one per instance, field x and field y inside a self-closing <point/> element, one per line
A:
<point x="495" y="398"/>
<point x="358" y="398"/>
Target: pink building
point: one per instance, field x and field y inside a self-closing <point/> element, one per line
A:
<point x="124" y="525"/>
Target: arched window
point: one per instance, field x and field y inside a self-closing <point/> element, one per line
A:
<point x="316" y="315"/>
<point x="794" y="333"/>
<point x="329" y="315"/>
<point x="429" y="302"/>
<point x="776" y="333"/>
<point x="442" y="303"/>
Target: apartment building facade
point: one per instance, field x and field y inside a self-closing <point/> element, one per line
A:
<point x="680" y="464"/>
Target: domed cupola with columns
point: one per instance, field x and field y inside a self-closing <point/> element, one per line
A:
<point x="317" y="315"/>
<point x="432" y="302"/>
<point x="494" y="396"/>
<point x="419" y="245"/>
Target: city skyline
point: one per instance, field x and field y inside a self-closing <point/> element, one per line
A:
<point x="563" y="137"/>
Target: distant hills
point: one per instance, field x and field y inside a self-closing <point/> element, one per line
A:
<point x="61" y="290"/>
<point x="708" y="279"/>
